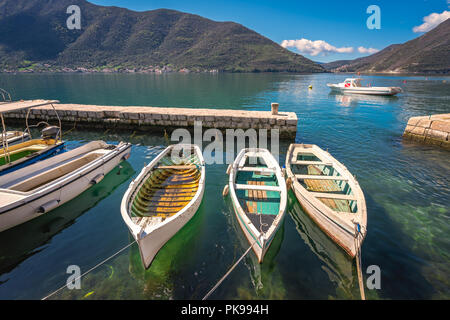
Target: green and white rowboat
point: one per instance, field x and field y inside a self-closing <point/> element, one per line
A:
<point x="258" y="193"/>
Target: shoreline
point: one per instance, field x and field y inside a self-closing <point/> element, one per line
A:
<point x="216" y="71"/>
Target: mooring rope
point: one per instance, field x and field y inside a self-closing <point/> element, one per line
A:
<point x="91" y="269"/>
<point x="228" y="272"/>
<point x="73" y="128"/>
<point x="359" y="263"/>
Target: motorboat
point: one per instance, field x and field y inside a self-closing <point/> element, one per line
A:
<point x="38" y="188"/>
<point x="355" y="86"/>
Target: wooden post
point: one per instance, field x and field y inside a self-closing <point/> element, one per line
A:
<point x="274" y="108"/>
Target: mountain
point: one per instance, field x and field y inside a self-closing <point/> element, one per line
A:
<point x="34" y="33"/>
<point x="429" y="53"/>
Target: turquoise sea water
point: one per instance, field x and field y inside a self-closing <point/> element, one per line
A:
<point x="406" y="187"/>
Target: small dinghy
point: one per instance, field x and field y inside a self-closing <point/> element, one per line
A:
<point x="164" y="197"/>
<point x="353" y="85"/>
<point x="329" y="194"/>
<point x="258" y="192"/>
<point x="41" y="187"/>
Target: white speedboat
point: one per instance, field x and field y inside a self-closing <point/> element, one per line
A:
<point x="259" y="196"/>
<point x="164" y="197"/>
<point x="36" y="189"/>
<point x="354" y="85"/>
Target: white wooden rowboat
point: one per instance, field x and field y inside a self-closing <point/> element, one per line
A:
<point x="329" y="194"/>
<point x="164" y="197"/>
<point x="258" y="194"/>
<point x="34" y="190"/>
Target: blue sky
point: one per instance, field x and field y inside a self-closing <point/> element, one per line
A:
<point x="339" y="24"/>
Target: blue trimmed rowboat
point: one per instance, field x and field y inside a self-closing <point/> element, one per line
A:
<point x="258" y="193"/>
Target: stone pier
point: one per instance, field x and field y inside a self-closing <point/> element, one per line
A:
<point x="159" y="118"/>
<point x="433" y="129"/>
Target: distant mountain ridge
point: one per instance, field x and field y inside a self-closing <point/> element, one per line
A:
<point x="33" y="34"/>
<point x="429" y="53"/>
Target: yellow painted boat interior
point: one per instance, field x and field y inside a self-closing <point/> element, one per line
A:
<point x="167" y="190"/>
<point x="34" y="145"/>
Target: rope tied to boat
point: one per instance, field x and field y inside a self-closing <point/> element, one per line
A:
<point x="91" y="269"/>
<point x="261" y="225"/>
<point x="358" y="237"/>
<point x="228" y="272"/>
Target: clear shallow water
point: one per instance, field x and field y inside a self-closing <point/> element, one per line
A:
<point x="406" y="188"/>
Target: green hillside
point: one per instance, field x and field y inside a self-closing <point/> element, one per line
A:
<point x="33" y="35"/>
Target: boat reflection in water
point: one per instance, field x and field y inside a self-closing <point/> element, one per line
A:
<point x="353" y="100"/>
<point x="166" y="279"/>
<point x="266" y="280"/>
<point x="334" y="260"/>
<point x="26" y="239"/>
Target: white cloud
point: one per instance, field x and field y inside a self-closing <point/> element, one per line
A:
<point x="368" y="50"/>
<point x="315" y="47"/>
<point x="431" y="21"/>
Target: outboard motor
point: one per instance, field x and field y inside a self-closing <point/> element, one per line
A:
<point x="50" y="132"/>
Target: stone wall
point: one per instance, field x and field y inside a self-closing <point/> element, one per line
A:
<point x="434" y="130"/>
<point x="156" y="118"/>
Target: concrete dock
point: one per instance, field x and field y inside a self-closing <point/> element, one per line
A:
<point x="159" y="118"/>
<point x="433" y="130"/>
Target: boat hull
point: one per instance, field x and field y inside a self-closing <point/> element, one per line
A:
<point x="340" y="236"/>
<point x="150" y="244"/>
<point x="39" y="203"/>
<point x="259" y="247"/>
<point x="367" y="91"/>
